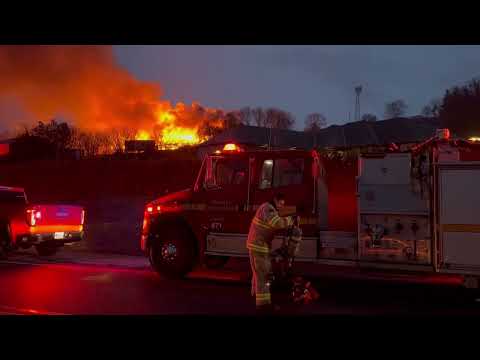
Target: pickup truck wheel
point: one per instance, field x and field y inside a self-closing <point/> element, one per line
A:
<point x="46" y="250"/>
<point x="172" y="252"/>
<point x="215" y="262"/>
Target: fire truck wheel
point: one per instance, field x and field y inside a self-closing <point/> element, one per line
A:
<point x="46" y="250"/>
<point x="172" y="252"/>
<point x="215" y="262"/>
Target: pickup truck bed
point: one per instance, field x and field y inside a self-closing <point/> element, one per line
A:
<point x="45" y="226"/>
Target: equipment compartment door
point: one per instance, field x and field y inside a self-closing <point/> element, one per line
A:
<point x="459" y="217"/>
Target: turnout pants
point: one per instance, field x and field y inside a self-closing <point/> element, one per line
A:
<point x="261" y="269"/>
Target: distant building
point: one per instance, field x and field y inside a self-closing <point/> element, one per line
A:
<point x="5" y="147"/>
<point x="356" y="134"/>
<point x="140" y="146"/>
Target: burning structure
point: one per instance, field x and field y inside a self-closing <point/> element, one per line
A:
<point x="87" y="87"/>
<point x="135" y="146"/>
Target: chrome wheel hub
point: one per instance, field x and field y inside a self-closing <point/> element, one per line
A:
<point x="169" y="252"/>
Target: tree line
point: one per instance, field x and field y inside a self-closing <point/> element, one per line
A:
<point x="458" y="110"/>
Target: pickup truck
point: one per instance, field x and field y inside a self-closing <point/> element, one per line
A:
<point x="45" y="226"/>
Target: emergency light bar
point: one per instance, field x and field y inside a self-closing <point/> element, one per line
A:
<point x="231" y="147"/>
<point x="443" y="134"/>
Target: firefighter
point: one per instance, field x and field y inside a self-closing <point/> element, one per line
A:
<point x="260" y="236"/>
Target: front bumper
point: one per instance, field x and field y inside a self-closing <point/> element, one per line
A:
<point x="27" y="240"/>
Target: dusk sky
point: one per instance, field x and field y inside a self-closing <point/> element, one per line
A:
<point x="303" y="79"/>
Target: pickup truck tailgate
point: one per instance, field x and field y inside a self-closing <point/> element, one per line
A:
<point x="59" y="214"/>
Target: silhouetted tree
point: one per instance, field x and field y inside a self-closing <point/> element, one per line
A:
<point x="315" y="122"/>
<point x="460" y="109"/>
<point x="232" y="120"/>
<point x="31" y="147"/>
<point x="259" y="117"/>
<point x="279" y="119"/>
<point x="272" y="117"/>
<point x="395" y="109"/>
<point x="246" y="115"/>
<point x="58" y="134"/>
<point x="368" y="117"/>
<point x="432" y="109"/>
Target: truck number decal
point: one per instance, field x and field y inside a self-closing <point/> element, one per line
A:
<point x="216" y="226"/>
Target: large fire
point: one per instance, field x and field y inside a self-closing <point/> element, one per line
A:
<point x="87" y="87"/>
<point x="171" y="135"/>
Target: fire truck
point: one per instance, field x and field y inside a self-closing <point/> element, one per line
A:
<point x="411" y="210"/>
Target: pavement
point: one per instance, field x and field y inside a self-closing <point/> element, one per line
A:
<point x="81" y="283"/>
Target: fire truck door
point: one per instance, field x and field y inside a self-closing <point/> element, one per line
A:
<point x="292" y="177"/>
<point x="227" y="214"/>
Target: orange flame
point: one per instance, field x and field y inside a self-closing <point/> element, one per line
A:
<point x="180" y="125"/>
<point x="142" y="135"/>
<point x="86" y="86"/>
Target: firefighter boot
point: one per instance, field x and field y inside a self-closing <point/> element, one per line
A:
<point x="268" y="309"/>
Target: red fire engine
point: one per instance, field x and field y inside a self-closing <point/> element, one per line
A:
<point x="411" y="210"/>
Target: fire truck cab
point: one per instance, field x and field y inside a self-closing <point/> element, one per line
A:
<point x="409" y="210"/>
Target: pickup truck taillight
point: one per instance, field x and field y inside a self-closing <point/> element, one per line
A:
<point x="33" y="216"/>
<point x="82" y="219"/>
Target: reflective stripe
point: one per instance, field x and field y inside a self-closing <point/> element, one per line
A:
<point x="274" y="220"/>
<point x="262" y="296"/>
<point x="263" y="299"/>
<point x="263" y="302"/>
<point x="190" y="206"/>
<point x="262" y="224"/>
<point x="472" y="228"/>
<point x="308" y="221"/>
<point x="258" y="248"/>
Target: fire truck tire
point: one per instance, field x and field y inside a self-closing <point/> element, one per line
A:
<point x="172" y="251"/>
<point x="46" y="250"/>
<point x="215" y="262"/>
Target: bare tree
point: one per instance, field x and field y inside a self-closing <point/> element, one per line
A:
<point x="395" y="109"/>
<point x="314" y="122"/>
<point x="91" y="144"/>
<point x="259" y="117"/>
<point x="232" y="119"/>
<point x="118" y="137"/>
<point x="272" y="117"/>
<point x="369" y="117"/>
<point x="246" y="115"/>
<point x="279" y="119"/>
<point x="432" y="109"/>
